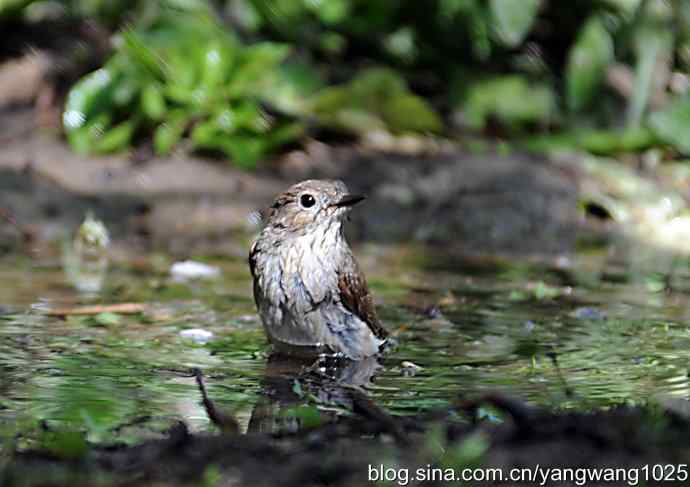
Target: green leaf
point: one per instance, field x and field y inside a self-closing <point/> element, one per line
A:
<point x="376" y="99"/>
<point x="107" y="319"/>
<point x="248" y="115"/>
<point x="205" y="134"/>
<point x="88" y="96"/>
<point x="116" y="138"/>
<point x="217" y="61"/>
<point x="377" y="84"/>
<point x="331" y="11"/>
<point x="513" y="19"/>
<point x="294" y="83"/>
<point x="589" y="58"/>
<point x="357" y="121"/>
<point x="653" y="42"/>
<point x="83" y="139"/>
<point x="284" y="134"/>
<point x="145" y="57"/>
<point x="153" y="102"/>
<point x="511" y="99"/>
<point x="672" y="124"/>
<point x="257" y="60"/>
<point x="245" y="152"/>
<point x="410" y="113"/>
<point x="170" y="132"/>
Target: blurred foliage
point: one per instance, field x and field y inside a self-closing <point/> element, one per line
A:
<point x="245" y="77"/>
<point x="510" y="99"/>
<point x="180" y="77"/>
<point x="376" y="99"/>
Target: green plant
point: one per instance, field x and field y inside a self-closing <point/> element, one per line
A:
<point x="376" y="99"/>
<point x="183" y="77"/>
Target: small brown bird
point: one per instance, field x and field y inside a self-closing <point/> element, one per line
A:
<point x="308" y="288"/>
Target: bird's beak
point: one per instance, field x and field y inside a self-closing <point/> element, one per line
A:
<point x="349" y="200"/>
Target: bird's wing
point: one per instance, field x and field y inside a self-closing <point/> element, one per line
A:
<point x="355" y="296"/>
<point x="252" y="268"/>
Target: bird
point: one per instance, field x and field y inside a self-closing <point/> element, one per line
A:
<point x="310" y="292"/>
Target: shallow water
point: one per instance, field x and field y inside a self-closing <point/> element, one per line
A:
<point x="605" y="327"/>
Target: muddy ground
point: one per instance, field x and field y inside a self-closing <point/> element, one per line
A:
<point x="355" y="449"/>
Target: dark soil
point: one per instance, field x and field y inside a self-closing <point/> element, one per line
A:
<point x="340" y="452"/>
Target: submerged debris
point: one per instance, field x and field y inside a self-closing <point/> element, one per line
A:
<point x="189" y="269"/>
<point x="85" y="258"/>
<point x="197" y="335"/>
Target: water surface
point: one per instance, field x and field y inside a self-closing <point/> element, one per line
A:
<point x="605" y="327"/>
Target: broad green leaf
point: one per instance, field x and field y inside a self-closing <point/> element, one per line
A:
<point x="226" y="119"/>
<point x="589" y="58"/>
<point x="135" y="46"/>
<point x="332" y="11"/>
<point x="653" y="43"/>
<point x="377" y="99"/>
<point x="510" y="99"/>
<point x="170" y="132"/>
<point x="248" y="115"/>
<point x="284" y="134"/>
<point x="293" y="84"/>
<point x="153" y="102"/>
<point x="84" y="139"/>
<point x="513" y="19"/>
<point x="125" y="89"/>
<point x="216" y="64"/>
<point x="672" y="124"/>
<point x="116" y="138"/>
<point x="245" y="151"/>
<point x="376" y="84"/>
<point x="357" y="121"/>
<point x="329" y="100"/>
<point x="87" y="97"/>
<point x="179" y="94"/>
<point x="410" y="113"/>
<point x="206" y="134"/>
<point x="183" y="73"/>
<point x="250" y="72"/>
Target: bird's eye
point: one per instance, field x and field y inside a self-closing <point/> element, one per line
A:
<point x="307" y="201"/>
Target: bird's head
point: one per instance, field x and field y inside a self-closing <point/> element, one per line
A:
<point x="310" y="206"/>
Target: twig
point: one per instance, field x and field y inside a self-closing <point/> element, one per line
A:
<point x="120" y="308"/>
<point x="225" y="422"/>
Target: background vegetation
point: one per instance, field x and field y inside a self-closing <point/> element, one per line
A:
<point x="244" y="78"/>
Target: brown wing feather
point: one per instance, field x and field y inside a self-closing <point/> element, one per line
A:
<point x="354" y="294"/>
<point x="252" y="269"/>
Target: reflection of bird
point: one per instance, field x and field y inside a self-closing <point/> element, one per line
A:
<point x="288" y="381"/>
<point x="309" y="290"/>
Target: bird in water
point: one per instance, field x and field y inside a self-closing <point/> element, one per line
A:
<point x="309" y="290"/>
